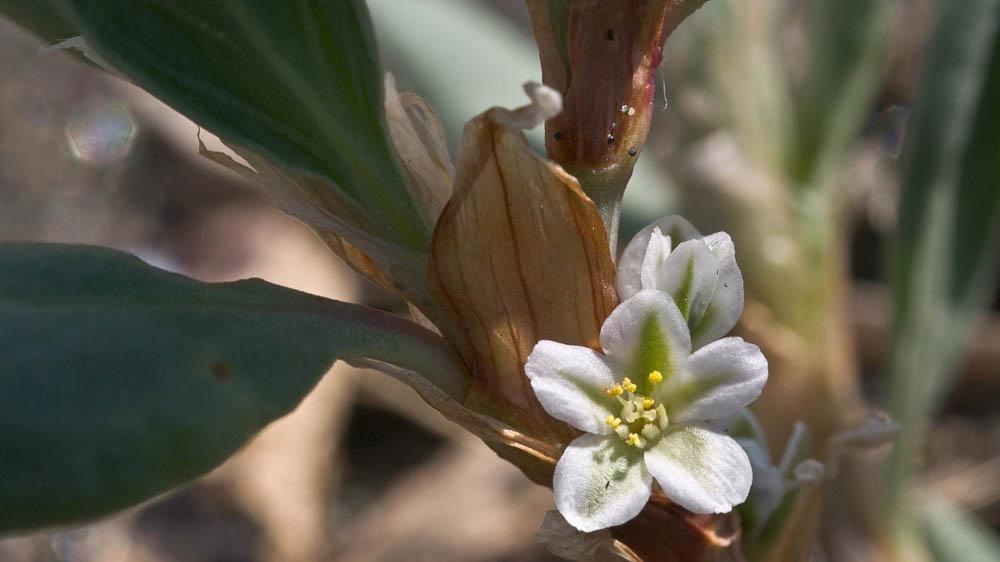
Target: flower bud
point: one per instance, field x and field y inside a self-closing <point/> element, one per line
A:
<point x="602" y="57"/>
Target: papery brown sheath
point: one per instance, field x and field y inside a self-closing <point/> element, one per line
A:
<point x="519" y="255"/>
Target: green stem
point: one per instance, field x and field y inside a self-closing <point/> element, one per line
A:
<point x="606" y="189"/>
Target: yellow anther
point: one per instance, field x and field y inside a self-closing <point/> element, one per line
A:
<point x="633" y="439"/>
<point x="647" y="403"/>
<point x="629" y="385"/>
<point x="615" y="390"/>
<point x="655" y="377"/>
<point x="613" y="421"/>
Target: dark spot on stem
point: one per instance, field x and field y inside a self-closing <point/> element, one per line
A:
<point x="558" y="136"/>
<point x="610" y="34"/>
<point x="632" y="151"/>
<point x="220" y="371"/>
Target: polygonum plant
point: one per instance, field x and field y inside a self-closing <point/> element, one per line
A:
<point x="649" y="407"/>
<point x="524" y="331"/>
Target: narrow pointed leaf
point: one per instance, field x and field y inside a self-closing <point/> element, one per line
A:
<point x="954" y="536"/>
<point x="850" y="42"/>
<point x="119" y="381"/>
<point x="45" y="18"/>
<point x="946" y="257"/>
<point x="298" y="81"/>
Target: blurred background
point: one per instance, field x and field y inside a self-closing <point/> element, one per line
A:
<point x="781" y="122"/>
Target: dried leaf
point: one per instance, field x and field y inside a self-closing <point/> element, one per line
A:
<point x="307" y="198"/>
<point x="518" y="255"/>
<point x="665" y="532"/>
<point x="564" y="541"/>
<point x="536" y="458"/>
<point x="420" y="142"/>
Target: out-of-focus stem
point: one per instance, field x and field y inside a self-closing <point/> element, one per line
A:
<point x="792" y="250"/>
<point x="792" y="254"/>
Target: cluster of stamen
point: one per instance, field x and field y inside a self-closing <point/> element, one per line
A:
<point x="641" y="419"/>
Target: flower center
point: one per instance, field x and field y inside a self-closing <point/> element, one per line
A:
<point x="641" y="419"/>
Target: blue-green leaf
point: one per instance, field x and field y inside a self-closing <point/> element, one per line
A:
<point x="119" y="381"/>
<point x="45" y="18"/>
<point x="297" y="80"/>
<point x="945" y="258"/>
<point x="953" y="536"/>
<point x="849" y="47"/>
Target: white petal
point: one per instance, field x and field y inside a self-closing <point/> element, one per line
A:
<point x="646" y="333"/>
<point x="600" y="482"/>
<point x="657" y="252"/>
<point x="568" y="381"/>
<point x="700" y="470"/>
<point x="673" y="228"/>
<point x="726" y="304"/>
<point x="690" y="275"/>
<point x="716" y="381"/>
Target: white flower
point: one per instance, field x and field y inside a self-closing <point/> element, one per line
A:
<point x="699" y="272"/>
<point x="647" y="402"/>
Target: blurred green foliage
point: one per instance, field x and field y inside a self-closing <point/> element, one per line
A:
<point x="947" y="248"/>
